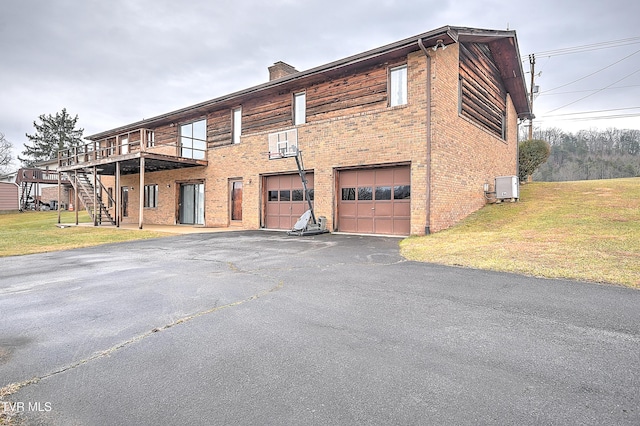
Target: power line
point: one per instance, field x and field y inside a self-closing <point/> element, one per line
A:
<point x="590" y="112"/>
<point x="584" y="91"/>
<point x="590" y="47"/>
<point x="593" y="73"/>
<point x="590" y="118"/>
<point x="597" y="91"/>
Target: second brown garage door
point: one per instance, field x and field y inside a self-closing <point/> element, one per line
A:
<point x="375" y="201"/>
<point x="285" y="200"/>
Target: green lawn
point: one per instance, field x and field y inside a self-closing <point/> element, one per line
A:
<point x="35" y="232"/>
<point x="584" y="230"/>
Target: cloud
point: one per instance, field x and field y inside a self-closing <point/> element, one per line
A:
<point x="117" y="62"/>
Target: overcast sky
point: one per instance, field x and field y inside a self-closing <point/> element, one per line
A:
<point x="116" y="62"/>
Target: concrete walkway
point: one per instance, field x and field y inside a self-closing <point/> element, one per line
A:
<point x="170" y="229"/>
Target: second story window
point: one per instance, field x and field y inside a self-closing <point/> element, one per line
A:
<point x="193" y="140"/>
<point x="299" y="108"/>
<point x="151" y="139"/>
<point x="398" y="86"/>
<point x="237" y="124"/>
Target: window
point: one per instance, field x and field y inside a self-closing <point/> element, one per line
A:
<point x="237" y="124"/>
<point x="398" y="86"/>
<point x="402" y="192"/>
<point x="110" y="197"/>
<point x="151" y="196"/>
<point x="151" y="139"/>
<point x="299" y="108"/>
<point x="348" y="194"/>
<point x="365" y="193"/>
<point x="193" y="140"/>
<point x="124" y="145"/>
<point x="383" y="193"/>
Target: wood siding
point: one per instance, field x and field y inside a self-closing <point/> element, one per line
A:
<point x="351" y="93"/>
<point x="482" y="93"/>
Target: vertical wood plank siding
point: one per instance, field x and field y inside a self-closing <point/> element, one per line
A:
<point x="483" y="96"/>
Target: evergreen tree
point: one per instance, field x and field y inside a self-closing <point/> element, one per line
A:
<point x="532" y="153"/>
<point x="52" y="134"/>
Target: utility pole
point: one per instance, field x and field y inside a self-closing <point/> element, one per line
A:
<point x="532" y="63"/>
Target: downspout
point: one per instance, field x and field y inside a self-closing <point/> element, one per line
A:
<point x="427" y="227"/>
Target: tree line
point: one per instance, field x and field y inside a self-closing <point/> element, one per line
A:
<point x="589" y="154"/>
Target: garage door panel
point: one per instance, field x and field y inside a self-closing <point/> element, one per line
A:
<point x="364" y="210"/>
<point x="283" y="205"/>
<point x="401" y="209"/>
<point x="402" y="226"/>
<point x="384" y="209"/>
<point x="383" y="226"/>
<point x="364" y="225"/>
<point x="383" y="176"/>
<point x="379" y="198"/>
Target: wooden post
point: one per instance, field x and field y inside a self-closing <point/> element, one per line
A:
<point x="75" y="196"/>
<point x="95" y="196"/>
<point x="141" y="214"/>
<point x="59" y="194"/>
<point x="118" y="195"/>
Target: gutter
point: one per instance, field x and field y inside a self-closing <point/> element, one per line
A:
<point x="427" y="54"/>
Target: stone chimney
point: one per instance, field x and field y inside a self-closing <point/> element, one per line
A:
<point x="280" y="69"/>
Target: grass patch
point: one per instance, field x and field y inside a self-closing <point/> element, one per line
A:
<point x="583" y="230"/>
<point x="36" y="232"/>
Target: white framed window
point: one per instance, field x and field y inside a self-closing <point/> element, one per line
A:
<point x="151" y="139"/>
<point x="151" y="196"/>
<point x="299" y="108"/>
<point x="398" y="86"/>
<point x="236" y="119"/>
<point x="193" y="140"/>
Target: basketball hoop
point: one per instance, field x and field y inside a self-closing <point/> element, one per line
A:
<point x="274" y="155"/>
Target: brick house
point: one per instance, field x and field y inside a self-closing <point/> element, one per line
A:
<point x="396" y="140"/>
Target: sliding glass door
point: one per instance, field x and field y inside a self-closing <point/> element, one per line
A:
<point x="191" y="211"/>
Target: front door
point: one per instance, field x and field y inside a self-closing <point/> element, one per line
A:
<point x="125" y="201"/>
<point x="236" y="200"/>
<point x="191" y="204"/>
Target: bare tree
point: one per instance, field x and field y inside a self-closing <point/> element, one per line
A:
<point x="5" y="153"/>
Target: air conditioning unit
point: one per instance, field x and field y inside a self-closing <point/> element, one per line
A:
<point x="507" y="187"/>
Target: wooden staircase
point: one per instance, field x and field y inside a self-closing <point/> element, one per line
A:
<point x="25" y="194"/>
<point x="91" y="197"/>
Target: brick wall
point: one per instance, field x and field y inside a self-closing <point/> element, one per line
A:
<point x="464" y="156"/>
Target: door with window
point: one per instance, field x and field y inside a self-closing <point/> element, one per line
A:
<point x="191" y="204"/>
<point x="236" y="200"/>
<point x="124" y="196"/>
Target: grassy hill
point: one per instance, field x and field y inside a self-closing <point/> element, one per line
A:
<point x="583" y="230"/>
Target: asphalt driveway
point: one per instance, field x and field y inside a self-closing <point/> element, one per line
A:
<point x="261" y="328"/>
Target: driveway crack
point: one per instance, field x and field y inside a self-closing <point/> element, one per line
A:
<point x="12" y="388"/>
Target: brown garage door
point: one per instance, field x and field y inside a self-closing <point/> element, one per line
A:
<point x="375" y="201"/>
<point x="285" y="200"/>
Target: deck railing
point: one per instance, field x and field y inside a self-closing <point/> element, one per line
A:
<point x="107" y="148"/>
<point x="40" y="176"/>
